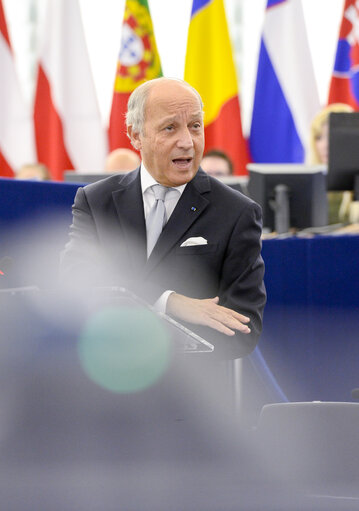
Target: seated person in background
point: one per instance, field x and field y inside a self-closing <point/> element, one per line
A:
<point x="121" y="160"/>
<point x="35" y="171"/>
<point x="319" y="154"/>
<point x="217" y="164"/>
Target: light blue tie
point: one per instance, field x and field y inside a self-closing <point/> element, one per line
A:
<point x="156" y="217"/>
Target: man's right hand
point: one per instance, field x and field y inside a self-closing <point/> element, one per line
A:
<point x="207" y="312"/>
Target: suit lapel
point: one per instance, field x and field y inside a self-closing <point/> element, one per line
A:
<point x="129" y="206"/>
<point x="188" y="209"/>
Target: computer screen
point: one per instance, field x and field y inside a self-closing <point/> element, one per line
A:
<point x="306" y="187"/>
<point x="343" y="167"/>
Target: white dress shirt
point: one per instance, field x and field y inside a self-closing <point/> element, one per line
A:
<point x="172" y="197"/>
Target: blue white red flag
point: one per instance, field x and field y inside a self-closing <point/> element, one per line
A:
<point x="344" y="85"/>
<point x="286" y="95"/>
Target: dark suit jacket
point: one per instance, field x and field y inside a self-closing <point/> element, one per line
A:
<point x="108" y="247"/>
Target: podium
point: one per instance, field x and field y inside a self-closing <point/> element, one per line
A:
<point x="47" y="306"/>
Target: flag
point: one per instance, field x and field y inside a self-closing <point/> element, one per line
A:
<point x="16" y="129"/>
<point x="138" y="61"/>
<point x="210" y="69"/>
<point x="344" y="85"/>
<point x="68" y="127"/>
<point x="286" y="96"/>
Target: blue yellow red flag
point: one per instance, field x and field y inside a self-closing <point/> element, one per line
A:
<point x="210" y="69"/>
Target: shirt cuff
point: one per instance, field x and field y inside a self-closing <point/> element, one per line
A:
<point x="161" y="303"/>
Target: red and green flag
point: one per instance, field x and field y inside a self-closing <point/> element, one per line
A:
<point x="138" y="61"/>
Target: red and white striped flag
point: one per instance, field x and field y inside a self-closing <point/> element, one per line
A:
<point x="68" y="127"/>
<point x="16" y="130"/>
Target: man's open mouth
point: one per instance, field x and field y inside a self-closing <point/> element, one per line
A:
<point x="182" y="161"/>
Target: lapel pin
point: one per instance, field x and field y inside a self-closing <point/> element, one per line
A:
<point x="193" y="208"/>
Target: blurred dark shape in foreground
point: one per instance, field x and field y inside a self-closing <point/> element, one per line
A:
<point x="67" y="442"/>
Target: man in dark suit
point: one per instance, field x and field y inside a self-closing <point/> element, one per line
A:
<point x="205" y="269"/>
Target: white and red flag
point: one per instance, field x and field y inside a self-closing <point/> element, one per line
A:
<point x="68" y="127"/>
<point x="16" y="129"/>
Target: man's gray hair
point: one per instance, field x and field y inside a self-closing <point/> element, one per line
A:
<point x="136" y="105"/>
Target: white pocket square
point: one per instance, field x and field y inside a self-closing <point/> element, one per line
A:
<point x="194" y="241"/>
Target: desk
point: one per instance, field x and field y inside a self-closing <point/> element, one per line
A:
<point x="34" y="221"/>
<point x="310" y="340"/>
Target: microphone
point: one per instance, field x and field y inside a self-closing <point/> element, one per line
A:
<point x="5" y="265"/>
<point x="355" y="394"/>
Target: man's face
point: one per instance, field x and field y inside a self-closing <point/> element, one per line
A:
<point x="172" y="139"/>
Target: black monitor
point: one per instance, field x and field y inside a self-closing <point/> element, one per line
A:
<point x="239" y="183"/>
<point x="343" y="166"/>
<point x="306" y="193"/>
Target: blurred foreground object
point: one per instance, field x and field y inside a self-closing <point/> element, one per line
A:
<point x="83" y="430"/>
<point x="98" y="409"/>
<point x="313" y="445"/>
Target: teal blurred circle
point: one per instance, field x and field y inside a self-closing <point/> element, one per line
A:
<point x="124" y="349"/>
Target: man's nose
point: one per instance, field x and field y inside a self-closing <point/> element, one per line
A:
<point x="185" y="139"/>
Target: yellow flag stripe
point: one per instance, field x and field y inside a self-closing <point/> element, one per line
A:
<point x="209" y="63"/>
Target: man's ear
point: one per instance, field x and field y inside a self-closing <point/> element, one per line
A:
<point x="135" y="138"/>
